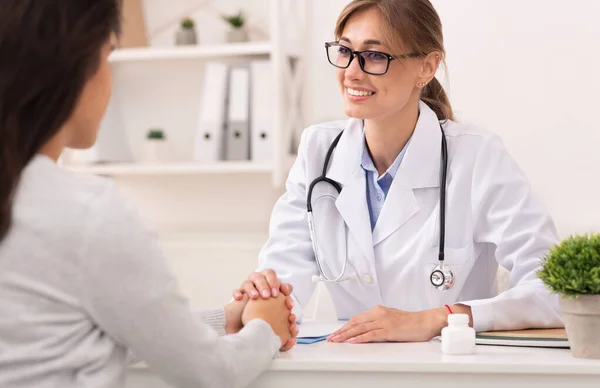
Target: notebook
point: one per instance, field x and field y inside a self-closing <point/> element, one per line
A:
<point x="537" y="338"/>
<point x="311" y="332"/>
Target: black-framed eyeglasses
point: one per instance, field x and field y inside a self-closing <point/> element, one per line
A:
<point x="371" y="62"/>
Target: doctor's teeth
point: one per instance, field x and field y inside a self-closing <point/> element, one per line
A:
<point x="359" y="92"/>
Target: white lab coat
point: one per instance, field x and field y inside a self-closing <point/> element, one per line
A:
<point x="492" y="218"/>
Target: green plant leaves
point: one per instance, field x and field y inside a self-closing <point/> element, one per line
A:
<point x="236" y="21"/>
<point x="572" y="267"/>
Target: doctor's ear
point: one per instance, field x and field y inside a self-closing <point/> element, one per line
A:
<point x="429" y="66"/>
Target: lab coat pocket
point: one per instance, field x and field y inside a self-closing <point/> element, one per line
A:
<point x="459" y="260"/>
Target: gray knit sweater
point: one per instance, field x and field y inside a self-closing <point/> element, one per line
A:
<point x="82" y="283"/>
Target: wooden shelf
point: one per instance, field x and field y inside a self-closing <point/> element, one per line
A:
<point x="132" y="169"/>
<point x="249" y="49"/>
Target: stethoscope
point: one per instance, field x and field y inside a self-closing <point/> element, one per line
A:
<point x="441" y="277"/>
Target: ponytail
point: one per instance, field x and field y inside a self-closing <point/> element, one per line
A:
<point x="435" y="97"/>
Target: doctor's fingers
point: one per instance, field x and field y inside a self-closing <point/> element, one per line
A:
<point x="261" y="284"/>
<point x="273" y="281"/>
<point x="370" y="336"/>
<point x="249" y="288"/>
<point x="356" y="331"/>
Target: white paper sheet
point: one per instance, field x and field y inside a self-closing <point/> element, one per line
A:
<point x="317" y="329"/>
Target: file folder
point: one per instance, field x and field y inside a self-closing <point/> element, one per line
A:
<point x="237" y="142"/>
<point x="209" y="142"/>
<point x="261" y="117"/>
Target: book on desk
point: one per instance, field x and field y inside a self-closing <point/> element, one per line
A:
<point x="537" y="338"/>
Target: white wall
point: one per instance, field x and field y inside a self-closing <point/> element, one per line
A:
<point x="526" y="69"/>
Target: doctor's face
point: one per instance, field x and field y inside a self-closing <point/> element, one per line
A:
<point x="368" y="96"/>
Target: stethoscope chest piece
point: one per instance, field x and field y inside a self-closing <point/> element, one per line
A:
<point x="442" y="277"/>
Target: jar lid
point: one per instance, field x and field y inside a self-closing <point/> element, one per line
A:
<point x="458" y="319"/>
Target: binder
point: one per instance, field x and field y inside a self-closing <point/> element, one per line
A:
<point x="261" y="118"/>
<point x="237" y="133"/>
<point x="209" y="142"/>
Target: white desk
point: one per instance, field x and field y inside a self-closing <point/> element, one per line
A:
<point x="415" y="365"/>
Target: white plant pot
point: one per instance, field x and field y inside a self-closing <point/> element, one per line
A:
<point x="155" y="151"/>
<point x="186" y="37"/>
<point x="237" y="35"/>
<point x="582" y="323"/>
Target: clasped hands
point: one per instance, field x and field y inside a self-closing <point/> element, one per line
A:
<point x="374" y="325"/>
<point x="273" y="308"/>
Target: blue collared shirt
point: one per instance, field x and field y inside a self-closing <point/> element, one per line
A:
<point x="378" y="186"/>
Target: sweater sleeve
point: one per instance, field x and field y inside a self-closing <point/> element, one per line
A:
<point x="213" y="318"/>
<point x="130" y="293"/>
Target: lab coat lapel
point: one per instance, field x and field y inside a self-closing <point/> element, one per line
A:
<point x="400" y="205"/>
<point x="352" y="201"/>
<point x="352" y="205"/>
<point x="420" y="168"/>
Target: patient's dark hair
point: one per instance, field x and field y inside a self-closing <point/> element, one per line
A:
<point x="48" y="51"/>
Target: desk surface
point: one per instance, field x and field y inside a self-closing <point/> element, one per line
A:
<point x="428" y="357"/>
<point x="415" y="365"/>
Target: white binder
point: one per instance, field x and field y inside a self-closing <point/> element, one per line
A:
<point x="209" y="142"/>
<point x="237" y="142"/>
<point x="261" y="102"/>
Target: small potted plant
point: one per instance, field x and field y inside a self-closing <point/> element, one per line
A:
<point x="572" y="270"/>
<point x="186" y="35"/>
<point x="236" y="33"/>
<point x="155" y="147"/>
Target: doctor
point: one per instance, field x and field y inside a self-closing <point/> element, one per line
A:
<point x="401" y="172"/>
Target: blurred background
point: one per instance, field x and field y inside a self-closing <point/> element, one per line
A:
<point x="210" y="98"/>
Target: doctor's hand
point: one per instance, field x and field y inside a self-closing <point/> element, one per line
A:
<point x="387" y="324"/>
<point x="276" y="312"/>
<point x="263" y="284"/>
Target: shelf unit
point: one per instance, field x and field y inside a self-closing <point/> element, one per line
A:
<point x="145" y="169"/>
<point x="251" y="49"/>
<point x="288" y="65"/>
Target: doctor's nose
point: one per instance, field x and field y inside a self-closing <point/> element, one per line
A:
<point x="354" y="72"/>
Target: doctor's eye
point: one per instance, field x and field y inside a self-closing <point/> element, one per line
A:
<point x="374" y="56"/>
<point x="343" y="51"/>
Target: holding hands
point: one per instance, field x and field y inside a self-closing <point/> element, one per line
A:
<point x="263" y="296"/>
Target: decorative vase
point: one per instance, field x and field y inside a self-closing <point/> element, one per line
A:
<point x="237" y="35"/>
<point x="186" y="36"/>
<point x="582" y="323"/>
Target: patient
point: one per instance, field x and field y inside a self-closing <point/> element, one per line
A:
<point x="82" y="282"/>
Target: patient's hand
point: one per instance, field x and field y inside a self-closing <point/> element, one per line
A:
<point x="276" y="312"/>
<point x="233" y="315"/>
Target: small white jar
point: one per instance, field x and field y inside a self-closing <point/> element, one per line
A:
<point x="458" y="337"/>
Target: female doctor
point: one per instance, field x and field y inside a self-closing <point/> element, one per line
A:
<point x="412" y="211"/>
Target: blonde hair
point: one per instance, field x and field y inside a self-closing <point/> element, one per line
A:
<point x="409" y="25"/>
